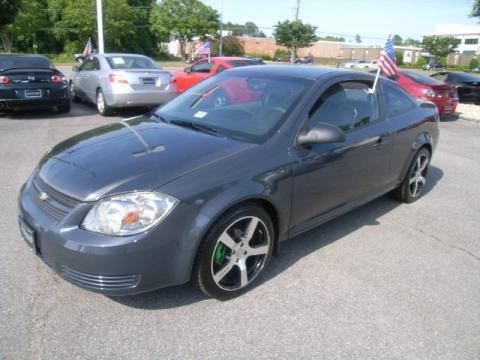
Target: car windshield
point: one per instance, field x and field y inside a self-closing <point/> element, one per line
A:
<point x="24" y="62"/>
<point x="131" y="62"/>
<point x="421" y="78"/>
<point x="463" y="77"/>
<point x="237" y="104"/>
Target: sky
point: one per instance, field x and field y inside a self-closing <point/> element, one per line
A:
<point x="374" y="20"/>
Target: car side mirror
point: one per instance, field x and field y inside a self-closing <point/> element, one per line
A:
<point x="188" y="69"/>
<point x="75" y="68"/>
<point x="322" y="133"/>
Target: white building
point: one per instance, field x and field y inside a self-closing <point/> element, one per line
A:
<point x="468" y="34"/>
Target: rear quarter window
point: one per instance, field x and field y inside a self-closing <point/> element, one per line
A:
<point x="397" y="101"/>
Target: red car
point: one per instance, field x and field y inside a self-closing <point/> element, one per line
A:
<point x="425" y="87"/>
<point x="203" y="68"/>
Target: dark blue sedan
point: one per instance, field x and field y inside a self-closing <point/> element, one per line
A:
<point x="205" y="188"/>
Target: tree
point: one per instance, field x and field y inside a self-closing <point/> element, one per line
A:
<point x="411" y="42"/>
<point x="294" y="35"/>
<point x="475" y="9"/>
<point x="331" y="38"/>
<point x="440" y="46"/>
<point x="397" y="40"/>
<point x="183" y="20"/>
<point x="231" y="46"/>
<point x="358" y="39"/>
<point x="9" y="9"/>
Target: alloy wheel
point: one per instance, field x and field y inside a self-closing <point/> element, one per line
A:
<point x="240" y="253"/>
<point x="100" y="102"/>
<point x="418" y="176"/>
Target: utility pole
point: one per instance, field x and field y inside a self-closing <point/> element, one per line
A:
<point x="220" y="44"/>
<point x="297" y="10"/>
<point x="100" y="26"/>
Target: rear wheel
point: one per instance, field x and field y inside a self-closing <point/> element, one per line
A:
<point x="235" y="252"/>
<point x="412" y="186"/>
<point x="103" y="108"/>
<point x="65" y="108"/>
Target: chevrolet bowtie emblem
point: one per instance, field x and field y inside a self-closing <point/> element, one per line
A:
<point x="43" y="196"/>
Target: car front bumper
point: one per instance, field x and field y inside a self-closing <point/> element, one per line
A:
<point x="160" y="257"/>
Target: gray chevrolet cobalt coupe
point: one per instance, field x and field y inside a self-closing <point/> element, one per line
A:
<point x="203" y="190"/>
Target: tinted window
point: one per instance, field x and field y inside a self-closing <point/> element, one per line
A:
<point x="87" y="65"/>
<point x="396" y="101"/>
<point x="442" y="76"/>
<point x="131" y="62"/>
<point x="202" y="66"/>
<point x="24" y="62"/>
<point x="421" y="78"/>
<point x="466" y="77"/>
<point x="347" y="105"/>
<point x="221" y="68"/>
<point x="241" y="105"/>
<point x="96" y="64"/>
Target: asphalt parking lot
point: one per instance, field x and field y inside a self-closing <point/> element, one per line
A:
<point x="385" y="281"/>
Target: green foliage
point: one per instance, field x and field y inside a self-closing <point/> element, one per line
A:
<point x="397" y="40"/>
<point x="249" y="29"/>
<point x="421" y="61"/>
<point x="331" y="38"/>
<point x="294" y="34"/>
<point x="358" y="39"/>
<point x="399" y="56"/>
<point x="8" y="11"/>
<point x="281" y="53"/>
<point x="183" y="20"/>
<point x="411" y="42"/>
<point x="231" y="46"/>
<point x="440" y="46"/>
<point x="475" y="9"/>
<point x="263" y="56"/>
<point x="443" y="61"/>
<point x="474" y="63"/>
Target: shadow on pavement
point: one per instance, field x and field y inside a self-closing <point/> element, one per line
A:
<point x="291" y="250"/>
<point x="451" y="117"/>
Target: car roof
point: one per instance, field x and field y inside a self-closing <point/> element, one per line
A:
<point x="121" y="54"/>
<point x="305" y="72"/>
<point x="24" y="55"/>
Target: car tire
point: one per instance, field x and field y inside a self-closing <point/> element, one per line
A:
<point x="102" y="106"/>
<point x="235" y="252"/>
<point x="73" y="96"/>
<point x="64" y="109"/>
<point x="415" y="180"/>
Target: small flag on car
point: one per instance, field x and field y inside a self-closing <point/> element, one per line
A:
<point x="387" y="61"/>
<point x="88" y="48"/>
<point x="203" y="48"/>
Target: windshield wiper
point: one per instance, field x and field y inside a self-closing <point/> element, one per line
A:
<point x="156" y="116"/>
<point x="196" y="126"/>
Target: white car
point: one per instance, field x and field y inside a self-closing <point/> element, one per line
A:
<point x="361" y="64"/>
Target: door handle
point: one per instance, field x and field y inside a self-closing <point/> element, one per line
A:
<point x="381" y="141"/>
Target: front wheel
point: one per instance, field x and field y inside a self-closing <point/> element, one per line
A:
<point x="414" y="183"/>
<point x="235" y="252"/>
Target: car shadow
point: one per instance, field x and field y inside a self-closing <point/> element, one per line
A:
<point x="291" y="251"/>
<point x="450" y="117"/>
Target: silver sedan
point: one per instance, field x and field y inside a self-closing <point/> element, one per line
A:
<point x="121" y="80"/>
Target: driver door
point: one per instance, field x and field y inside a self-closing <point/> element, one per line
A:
<point x="329" y="179"/>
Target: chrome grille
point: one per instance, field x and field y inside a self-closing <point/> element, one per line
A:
<point x="51" y="201"/>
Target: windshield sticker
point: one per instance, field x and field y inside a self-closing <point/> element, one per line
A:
<point x="200" y="114"/>
<point x="118" y="61"/>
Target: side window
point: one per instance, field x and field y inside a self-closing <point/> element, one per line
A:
<point x="221" y="68"/>
<point x="202" y="66"/>
<point x="396" y="101"/>
<point x="96" y="64"/>
<point x="87" y="65"/>
<point x="347" y="105"/>
<point x="451" y="78"/>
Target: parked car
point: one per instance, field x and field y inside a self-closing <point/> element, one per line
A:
<point x="361" y="64"/>
<point x="434" y="65"/>
<point x="467" y="85"/>
<point x="204" y="193"/>
<point x="31" y="81"/>
<point x="121" y="80"/>
<point x="308" y="59"/>
<point x="258" y="60"/>
<point x="427" y="88"/>
<point x="204" y="68"/>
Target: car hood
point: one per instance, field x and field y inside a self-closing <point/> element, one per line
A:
<point x="138" y="154"/>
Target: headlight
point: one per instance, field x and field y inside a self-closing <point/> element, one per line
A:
<point x="128" y="214"/>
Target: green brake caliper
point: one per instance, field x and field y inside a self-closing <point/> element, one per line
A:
<point x="219" y="255"/>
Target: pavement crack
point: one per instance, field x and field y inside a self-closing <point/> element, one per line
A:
<point x="436" y="238"/>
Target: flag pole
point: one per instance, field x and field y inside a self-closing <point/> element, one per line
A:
<point x="372" y="90"/>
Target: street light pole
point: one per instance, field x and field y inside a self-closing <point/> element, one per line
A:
<point x="100" y="27"/>
<point x="220" y="45"/>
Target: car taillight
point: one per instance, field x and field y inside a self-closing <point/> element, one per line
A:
<point x="429" y="93"/>
<point x="4" y="79"/>
<point x="115" y="78"/>
<point x="56" y="79"/>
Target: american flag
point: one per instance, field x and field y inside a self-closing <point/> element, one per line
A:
<point x="88" y="48"/>
<point x="203" y="48"/>
<point x="388" y="62"/>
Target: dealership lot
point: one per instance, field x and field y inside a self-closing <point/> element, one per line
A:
<point x="385" y="281"/>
